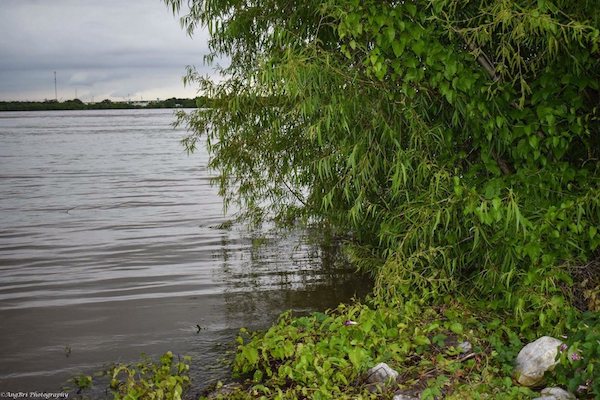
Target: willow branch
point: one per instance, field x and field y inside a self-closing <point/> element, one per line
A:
<point x="490" y="69"/>
<point x="294" y="193"/>
<point x="483" y="60"/>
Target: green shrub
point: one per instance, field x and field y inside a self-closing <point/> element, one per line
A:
<point x="457" y="144"/>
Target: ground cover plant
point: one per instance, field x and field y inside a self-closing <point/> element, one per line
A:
<point x="323" y="356"/>
<point x="164" y="379"/>
<point x="455" y="144"/>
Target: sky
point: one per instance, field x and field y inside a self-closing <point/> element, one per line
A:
<point x="99" y="49"/>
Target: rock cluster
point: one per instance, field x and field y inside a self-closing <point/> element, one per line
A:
<point x="534" y="360"/>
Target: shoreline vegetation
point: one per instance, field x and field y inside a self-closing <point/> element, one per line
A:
<point x="456" y="145"/>
<point x="77" y="104"/>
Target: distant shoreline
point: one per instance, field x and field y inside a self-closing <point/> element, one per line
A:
<point x="76" y="104"/>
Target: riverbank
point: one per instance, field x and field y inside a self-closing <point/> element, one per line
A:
<point x="406" y="351"/>
<point x="456" y="350"/>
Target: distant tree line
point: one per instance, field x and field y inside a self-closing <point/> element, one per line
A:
<point x="173" y="103"/>
<point x="77" y="104"/>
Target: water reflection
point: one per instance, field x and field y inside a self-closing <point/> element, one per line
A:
<point x="298" y="270"/>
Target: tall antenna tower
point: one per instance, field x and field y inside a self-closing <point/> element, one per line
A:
<point x="55" y="92"/>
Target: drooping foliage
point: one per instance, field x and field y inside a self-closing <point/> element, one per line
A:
<point x="458" y="142"/>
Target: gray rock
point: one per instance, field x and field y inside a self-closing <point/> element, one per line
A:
<point x="381" y="373"/>
<point x="404" y="397"/>
<point x="556" y="393"/>
<point x="465" y="347"/>
<point x="535" y="359"/>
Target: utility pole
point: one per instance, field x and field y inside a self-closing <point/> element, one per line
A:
<point x="55" y="92"/>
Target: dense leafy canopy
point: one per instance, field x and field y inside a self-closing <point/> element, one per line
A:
<point x="457" y="141"/>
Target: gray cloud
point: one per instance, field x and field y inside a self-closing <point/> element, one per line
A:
<point x="98" y="48"/>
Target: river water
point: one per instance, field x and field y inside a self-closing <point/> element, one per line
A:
<point x="111" y="245"/>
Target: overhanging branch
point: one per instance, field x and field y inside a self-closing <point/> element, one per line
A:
<point x="490" y="69"/>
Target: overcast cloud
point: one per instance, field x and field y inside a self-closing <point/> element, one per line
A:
<point x="99" y="49"/>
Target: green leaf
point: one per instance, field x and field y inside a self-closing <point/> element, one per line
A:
<point x="251" y="354"/>
<point x="357" y="356"/>
<point x="421" y="340"/>
<point x="398" y="47"/>
<point x="534" y="141"/>
<point x="450" y="69"/>
<point x="411" y="8"/>
<point x="456" y="327"/>
<point x="258" y="375"/>
<point x="390" y="34"/>
<point x="418" y="47"/>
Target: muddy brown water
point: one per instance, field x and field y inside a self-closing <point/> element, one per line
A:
<point x="111" y="246"/>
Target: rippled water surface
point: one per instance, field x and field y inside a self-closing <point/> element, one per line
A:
<point x="111" y="246"/>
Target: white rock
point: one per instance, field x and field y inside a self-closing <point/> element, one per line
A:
<point x="557" y="393"/>
<point x="465" y="347"/>
<point x="381" y="373"/>
<point x="536" y="358"/>
<point x="404" y="397"/>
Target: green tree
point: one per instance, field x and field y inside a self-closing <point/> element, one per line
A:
<point x="458" y="142"/>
